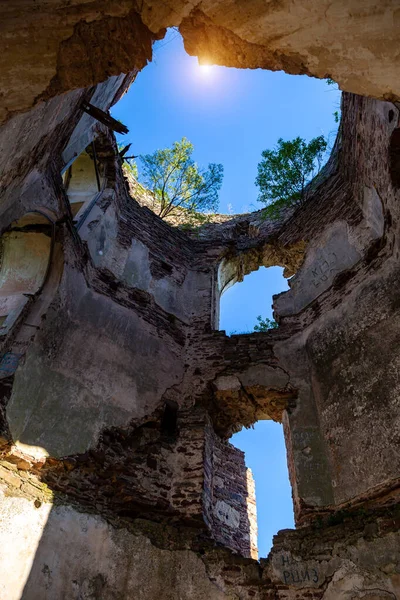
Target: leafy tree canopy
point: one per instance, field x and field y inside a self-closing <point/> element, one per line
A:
<point x="265" y="324"/>
<point x="177" y="182"/>
<point x="284" y="172"/>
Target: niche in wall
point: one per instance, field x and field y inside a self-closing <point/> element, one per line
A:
<point x="83" y="180"/>
<point x="25" y="251"/>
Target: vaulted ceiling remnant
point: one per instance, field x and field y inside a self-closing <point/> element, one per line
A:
<point x="302" y="37"/>
<point x="234" y="268"/>
<point x="260" y="392"/>
<point x="64" y="46"/>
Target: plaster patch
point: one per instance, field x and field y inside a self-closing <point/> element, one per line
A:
<point x="227" y="514"/>
<point x="331" y="254"/>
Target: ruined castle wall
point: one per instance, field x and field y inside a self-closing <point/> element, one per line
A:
<point x="229" y="497"/>
<point x="129" y="300"/>
<point x="351" y="334"/>
<point x="79" y="555"/>
<point x="36" y="146"/>
<point x="72" y="396"/>
<point x="358" y="399"/>
<point x="122" y="239"/>
<point x="340" y="311"/>
<point x="353" y="42"/>
<point x="144" y="296"/>
<point x="60" y="551"/>
<point x="126" y="342"/>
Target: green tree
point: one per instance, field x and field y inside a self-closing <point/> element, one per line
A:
<point x="177" y="182"/>
<point x="265" y="324"/>
<point x="283" y="173"/>
<point x="131" y="167"/>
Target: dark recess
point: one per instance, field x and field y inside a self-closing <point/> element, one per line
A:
<point x="394" y="157"/>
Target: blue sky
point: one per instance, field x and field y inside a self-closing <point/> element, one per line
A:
<point x="242" y="303"/>
<point x="264" y="445"/>
<point x="230" y="116"/>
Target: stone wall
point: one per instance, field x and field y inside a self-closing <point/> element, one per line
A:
<point x="56" y="550"/>
<point x="118" y="394"/>
<point x="100" y="39"/>
<point x="230" y="498"/>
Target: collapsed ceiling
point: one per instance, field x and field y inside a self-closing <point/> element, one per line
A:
<point x="59" y="46"/>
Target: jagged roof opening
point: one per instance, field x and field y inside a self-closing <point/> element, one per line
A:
<point x="230" y="116"/>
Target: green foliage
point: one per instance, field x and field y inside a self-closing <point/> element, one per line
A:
<point x="177" y="182"/>
<point x="336" y="113"/>
<point x="128" y="163"/>
<point x="265" y="324"/>
<point x="131" y="167"/>
<point x="284" y="172"/>
<point x="236" y="332"/>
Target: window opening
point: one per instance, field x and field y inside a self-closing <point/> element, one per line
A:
<point x="82" y="181"/>
<point x="25" y="253"/>
<point x="169" y="421"/>
<point x="242" y="303"/>
<point x="265" y="455"/>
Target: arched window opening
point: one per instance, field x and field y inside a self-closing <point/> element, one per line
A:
<point x="242" y="304"/>
<point x="83" y="181"/>
<point x="265" y="455"/>
<point x="25" y="253"/>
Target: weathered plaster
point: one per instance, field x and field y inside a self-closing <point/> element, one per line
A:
<point x="112" y="563"/>
<point x="355" y="43"/>
<point x="72" y="396"/>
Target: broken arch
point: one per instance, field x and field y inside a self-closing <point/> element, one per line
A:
<point x="232" y="270"/>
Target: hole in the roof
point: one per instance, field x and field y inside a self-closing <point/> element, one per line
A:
<point x="230" y="116"/>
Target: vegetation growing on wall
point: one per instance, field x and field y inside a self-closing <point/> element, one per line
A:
<point x="131" y="167"/>
<point x="285" y="172"/>
<point x="265" y="324"/>
<point x="177" y="182"/>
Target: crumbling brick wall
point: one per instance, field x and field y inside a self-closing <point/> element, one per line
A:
<point x="229" y="497"/>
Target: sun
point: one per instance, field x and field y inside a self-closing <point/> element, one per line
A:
<point x="206" y="70"/>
